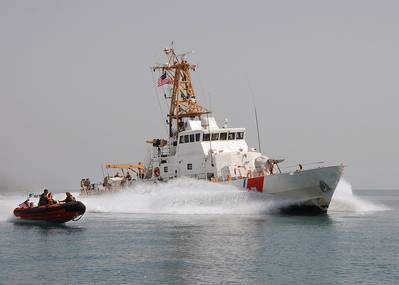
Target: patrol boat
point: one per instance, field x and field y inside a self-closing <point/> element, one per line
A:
<point x="197" y="147"/>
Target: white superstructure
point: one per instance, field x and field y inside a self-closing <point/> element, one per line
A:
<point x="205" y="151"/>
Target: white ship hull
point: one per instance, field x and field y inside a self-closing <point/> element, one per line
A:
<point x="308" y="191"/>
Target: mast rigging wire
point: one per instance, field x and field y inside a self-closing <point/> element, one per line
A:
<point x="256" y="113"/>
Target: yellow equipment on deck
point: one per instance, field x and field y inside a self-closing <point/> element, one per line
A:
<point x="125" y="166"/>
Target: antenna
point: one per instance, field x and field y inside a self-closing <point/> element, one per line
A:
<point x="210" y="139"/>
<point x="256" y="114"/>
<point x="102" y="169"/>
<point x="183" y="55"/>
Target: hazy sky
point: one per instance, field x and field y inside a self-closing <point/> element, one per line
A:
<point x="76" y="90"/>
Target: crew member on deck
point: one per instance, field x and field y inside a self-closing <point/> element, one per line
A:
<point x="69" y="198"/>
<point x="141" y="171"/>
<point x="51" y="200"/>
<point x="43" y="200"/>
<point x="128" y="176"/>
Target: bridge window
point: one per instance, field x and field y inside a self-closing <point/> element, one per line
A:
<point x="197" y="137"/>
<point x="165" y="169"/>
<point x="181" y="139"/>
<point x="189" y="166"/>
<point x="215" y="137"/>
<point x="186" y="139"/>
<point x="240" y="136"/>
<point x="232" y="136"/>
<point x="206" y="137"/>
<point x="192" y="138"/>
<point x="223" y="136"/>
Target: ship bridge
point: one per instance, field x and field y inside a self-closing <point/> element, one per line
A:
<point x="204" y="150"/>
<point x="203" y="137"/>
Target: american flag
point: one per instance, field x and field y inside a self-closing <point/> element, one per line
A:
<point x="164" y="79"/>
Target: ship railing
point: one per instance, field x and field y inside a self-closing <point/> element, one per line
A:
<point x="298" y="167"/>
<point x="162" y="152"/>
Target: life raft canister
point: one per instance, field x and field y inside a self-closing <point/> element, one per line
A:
<point x="157" y="172"/>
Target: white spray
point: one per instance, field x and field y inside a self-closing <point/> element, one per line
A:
<point x="345" y="201"/>
<point x="180" y="196"/>
<point x="188" y="196"/>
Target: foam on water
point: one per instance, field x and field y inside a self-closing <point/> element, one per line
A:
<point x="180" y="196"/>
<point x="345" y="201"/>
<point x="8" y="204"/>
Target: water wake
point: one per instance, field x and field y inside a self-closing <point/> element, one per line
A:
<point x="7" y="205"/>
<point x="180" y="196"/>
<point x="345" y="201"/>
<point x="188" y="196"/>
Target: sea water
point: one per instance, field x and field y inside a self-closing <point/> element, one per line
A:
<point x="193" y="232"/>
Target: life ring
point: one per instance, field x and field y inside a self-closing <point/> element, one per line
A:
<point x="157" y="172"/>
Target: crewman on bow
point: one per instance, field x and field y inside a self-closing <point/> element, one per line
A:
<point x="69" y="198"/>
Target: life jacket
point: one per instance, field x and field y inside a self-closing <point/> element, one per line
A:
<point x="43" y="200"/>
<point x="69" y="199"/>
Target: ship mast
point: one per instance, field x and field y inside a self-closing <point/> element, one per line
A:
<point x="183" y="103"/>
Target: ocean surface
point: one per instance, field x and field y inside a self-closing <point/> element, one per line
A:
<point x="191" y="232"/>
